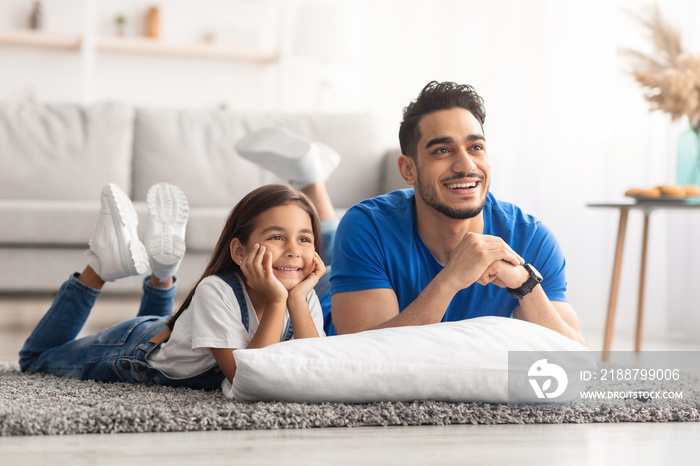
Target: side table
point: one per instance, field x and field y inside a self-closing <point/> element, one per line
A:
<point x="646" y="206"/>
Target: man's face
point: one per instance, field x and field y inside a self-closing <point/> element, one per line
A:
<point x="452" y="165"/>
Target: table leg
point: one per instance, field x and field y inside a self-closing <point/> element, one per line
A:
<point x="642" y="274"/>
<point x="615" y="283"/>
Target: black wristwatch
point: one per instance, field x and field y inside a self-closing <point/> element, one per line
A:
<point x="532" y="281"/>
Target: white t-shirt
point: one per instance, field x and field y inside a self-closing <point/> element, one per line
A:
<point x="213" y="320"/>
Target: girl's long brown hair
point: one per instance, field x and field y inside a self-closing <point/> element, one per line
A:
<point x="241" y="223"/>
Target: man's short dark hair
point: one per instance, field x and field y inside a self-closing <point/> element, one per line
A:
<point x="437" y="96"/>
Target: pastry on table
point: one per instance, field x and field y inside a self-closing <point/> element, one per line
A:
<point x="691" y="190"/>
<point x="664" y="191"/>
<point x="672" y="191"/>
<point x="645" y="193"/>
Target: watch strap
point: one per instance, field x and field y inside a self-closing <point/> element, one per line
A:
<point x="526" y="288"/>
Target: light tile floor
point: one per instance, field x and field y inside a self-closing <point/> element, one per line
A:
<point x="586" y="444"/>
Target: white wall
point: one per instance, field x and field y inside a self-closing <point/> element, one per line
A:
<point x="566" y="125"/>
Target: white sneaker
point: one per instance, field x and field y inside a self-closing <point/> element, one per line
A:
<point x="292" y="158"/>
<point x="168" y="211"/>
<point x="115" y="249"/>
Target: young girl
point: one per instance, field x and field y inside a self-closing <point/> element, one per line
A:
<point x="258" y="289"/>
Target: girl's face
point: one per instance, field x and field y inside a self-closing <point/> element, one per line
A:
<point x="286" y="232"/>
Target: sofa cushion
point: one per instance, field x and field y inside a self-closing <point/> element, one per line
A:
<point x="65" y="152"/>
<point x="47" y="223"/>
<point x="196" y="152"/>
<point x="204" y="228"/>
<point x="27" y="223"/>
<point x="43" y="242"/>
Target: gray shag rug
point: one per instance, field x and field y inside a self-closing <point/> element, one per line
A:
<point x="40" y="404"/>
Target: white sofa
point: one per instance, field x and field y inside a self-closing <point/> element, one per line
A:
<point x="54" y="160"/>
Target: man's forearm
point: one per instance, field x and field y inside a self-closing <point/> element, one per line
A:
<point x="538" y="309"/>
<point x="428" y="308"/>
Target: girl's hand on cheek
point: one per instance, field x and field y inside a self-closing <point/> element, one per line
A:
<point x="305" y="286"/>
<point x="257" y="268"/>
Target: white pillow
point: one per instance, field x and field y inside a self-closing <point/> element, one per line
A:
<point x="451" y="361"/>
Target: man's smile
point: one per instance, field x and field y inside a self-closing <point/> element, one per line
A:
<point x="464" y="185"/>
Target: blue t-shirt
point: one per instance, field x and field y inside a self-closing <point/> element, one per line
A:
<point x="377" y="246"/>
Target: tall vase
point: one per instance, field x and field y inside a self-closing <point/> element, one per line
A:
<point x="688" y="158"/>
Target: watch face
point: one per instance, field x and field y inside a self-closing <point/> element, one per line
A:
<point x="533" y="272"/>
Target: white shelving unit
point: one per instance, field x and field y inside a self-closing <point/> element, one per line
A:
<point x="138" y="46"/>
<point x="96" y="60"/>
<point x="29" y="38"/>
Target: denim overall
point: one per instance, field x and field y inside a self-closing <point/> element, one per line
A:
<point x="235" y="284"/>
<point x="118" y="353"/>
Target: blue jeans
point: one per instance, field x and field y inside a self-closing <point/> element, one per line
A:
<point x="116" y="354"/>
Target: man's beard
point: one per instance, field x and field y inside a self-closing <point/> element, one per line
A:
<point x="427" y="193"/>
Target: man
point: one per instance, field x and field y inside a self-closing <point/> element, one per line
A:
<point x="445" y="250"/>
